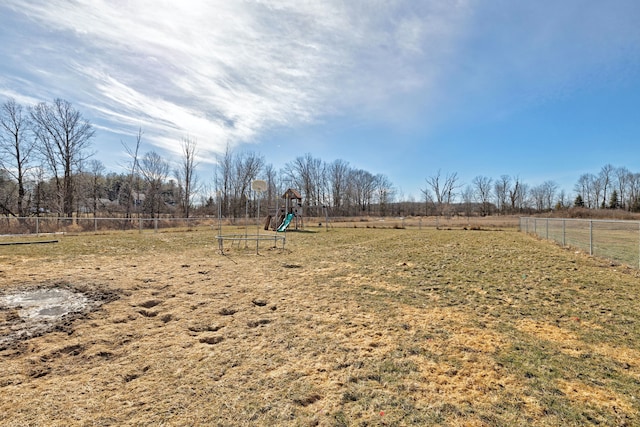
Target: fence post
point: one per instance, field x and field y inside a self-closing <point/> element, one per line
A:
<point x="547" y="236"/>
<point x="564" y="239"/>
<point x="590" y="237"/>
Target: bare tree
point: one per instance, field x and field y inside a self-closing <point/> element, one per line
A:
<point x="523" y="196"/>
<point x="502" y="187"/>
<point x="361" y="189"/>
<point x="596" y="186"/>
<point x="132" y="192"/>
<point x="337" y="173"/>
<point x="429" y="202"/>
<point x="271" y="176"/>
<point x="517" y="194"/>
<point x="443" y="190"/>
<point x="549" y="189"/>
<point x="96" y="169"/>
<point x="544" y="195"/>
<point x="224" y="170"/>
<point x="89" y="186"/>
<point x="583" y="189"/>
<point x="482" y="187"/>
<point x="16" y="149"/>
<point x="64" y="136"/>
<point x="187" y="179"/>
<point x="43" y="198"/>
<point x="154" y="170"/>
<point x="233" y="176"/>
<point x="623" y="177"/>
<point x="319" y="176"/>
<point x="384" y="193"/>
<point x="563" y="201"/>
<point x="634" y="192"/>
<point x="468" y="195"/>
<point x="538" y="197"/>
<point x="246" y="167"/>
<point x="7" y="193"/>
<point x="308" y="174"/>
<point x="606" y="176"/>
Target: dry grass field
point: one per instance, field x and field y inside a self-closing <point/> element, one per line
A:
<point x="354" y="326"/>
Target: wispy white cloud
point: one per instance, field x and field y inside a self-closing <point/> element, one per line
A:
<point x="226" y="71"/>
<point x="7" y="92"/>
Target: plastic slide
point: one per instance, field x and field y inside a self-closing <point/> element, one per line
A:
<point x="285" y="223"/>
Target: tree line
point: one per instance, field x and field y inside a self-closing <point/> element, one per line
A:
<point x="611" y="188"/>
<point x="336" y="185"/>
<point x="445" y="195"/>
<point x="47" y="167"/>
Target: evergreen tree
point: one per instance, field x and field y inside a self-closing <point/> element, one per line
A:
<point x="578" y="203"/>
<point x="613" y="201"/>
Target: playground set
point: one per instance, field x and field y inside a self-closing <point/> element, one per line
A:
<point x="279" y="220"/>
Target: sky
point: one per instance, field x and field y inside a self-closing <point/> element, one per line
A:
<point x="539" y="90"/>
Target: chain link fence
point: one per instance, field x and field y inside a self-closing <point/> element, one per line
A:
<point x="52" y="225"/>
<point x="618" y="241"/>
<point x="37" y="225"/>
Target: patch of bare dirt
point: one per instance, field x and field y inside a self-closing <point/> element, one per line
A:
<point x="31" y="311"/>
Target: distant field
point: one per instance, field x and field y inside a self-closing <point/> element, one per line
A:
<point x="354" y="326"/>
<point x="443" y="222"/>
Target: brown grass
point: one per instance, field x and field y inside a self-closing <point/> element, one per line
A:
<point x="346" y="327"/>
<point x="502" y="222"/>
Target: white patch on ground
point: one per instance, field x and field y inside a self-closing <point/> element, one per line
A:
<point x="45" y="303"/>
<point x="30" y="312"/>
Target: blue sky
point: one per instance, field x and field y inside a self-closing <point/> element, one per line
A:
<point x="542" y="90"/>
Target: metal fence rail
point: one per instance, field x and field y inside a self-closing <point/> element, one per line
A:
<point x="618" y="241"/>
<point x="44" y="225"/>
<point x="52" y="224"/>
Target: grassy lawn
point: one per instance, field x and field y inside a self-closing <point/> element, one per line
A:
<point x="347" y="327"/>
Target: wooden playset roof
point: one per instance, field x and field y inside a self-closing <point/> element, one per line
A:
<point x="292" y="194"/>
